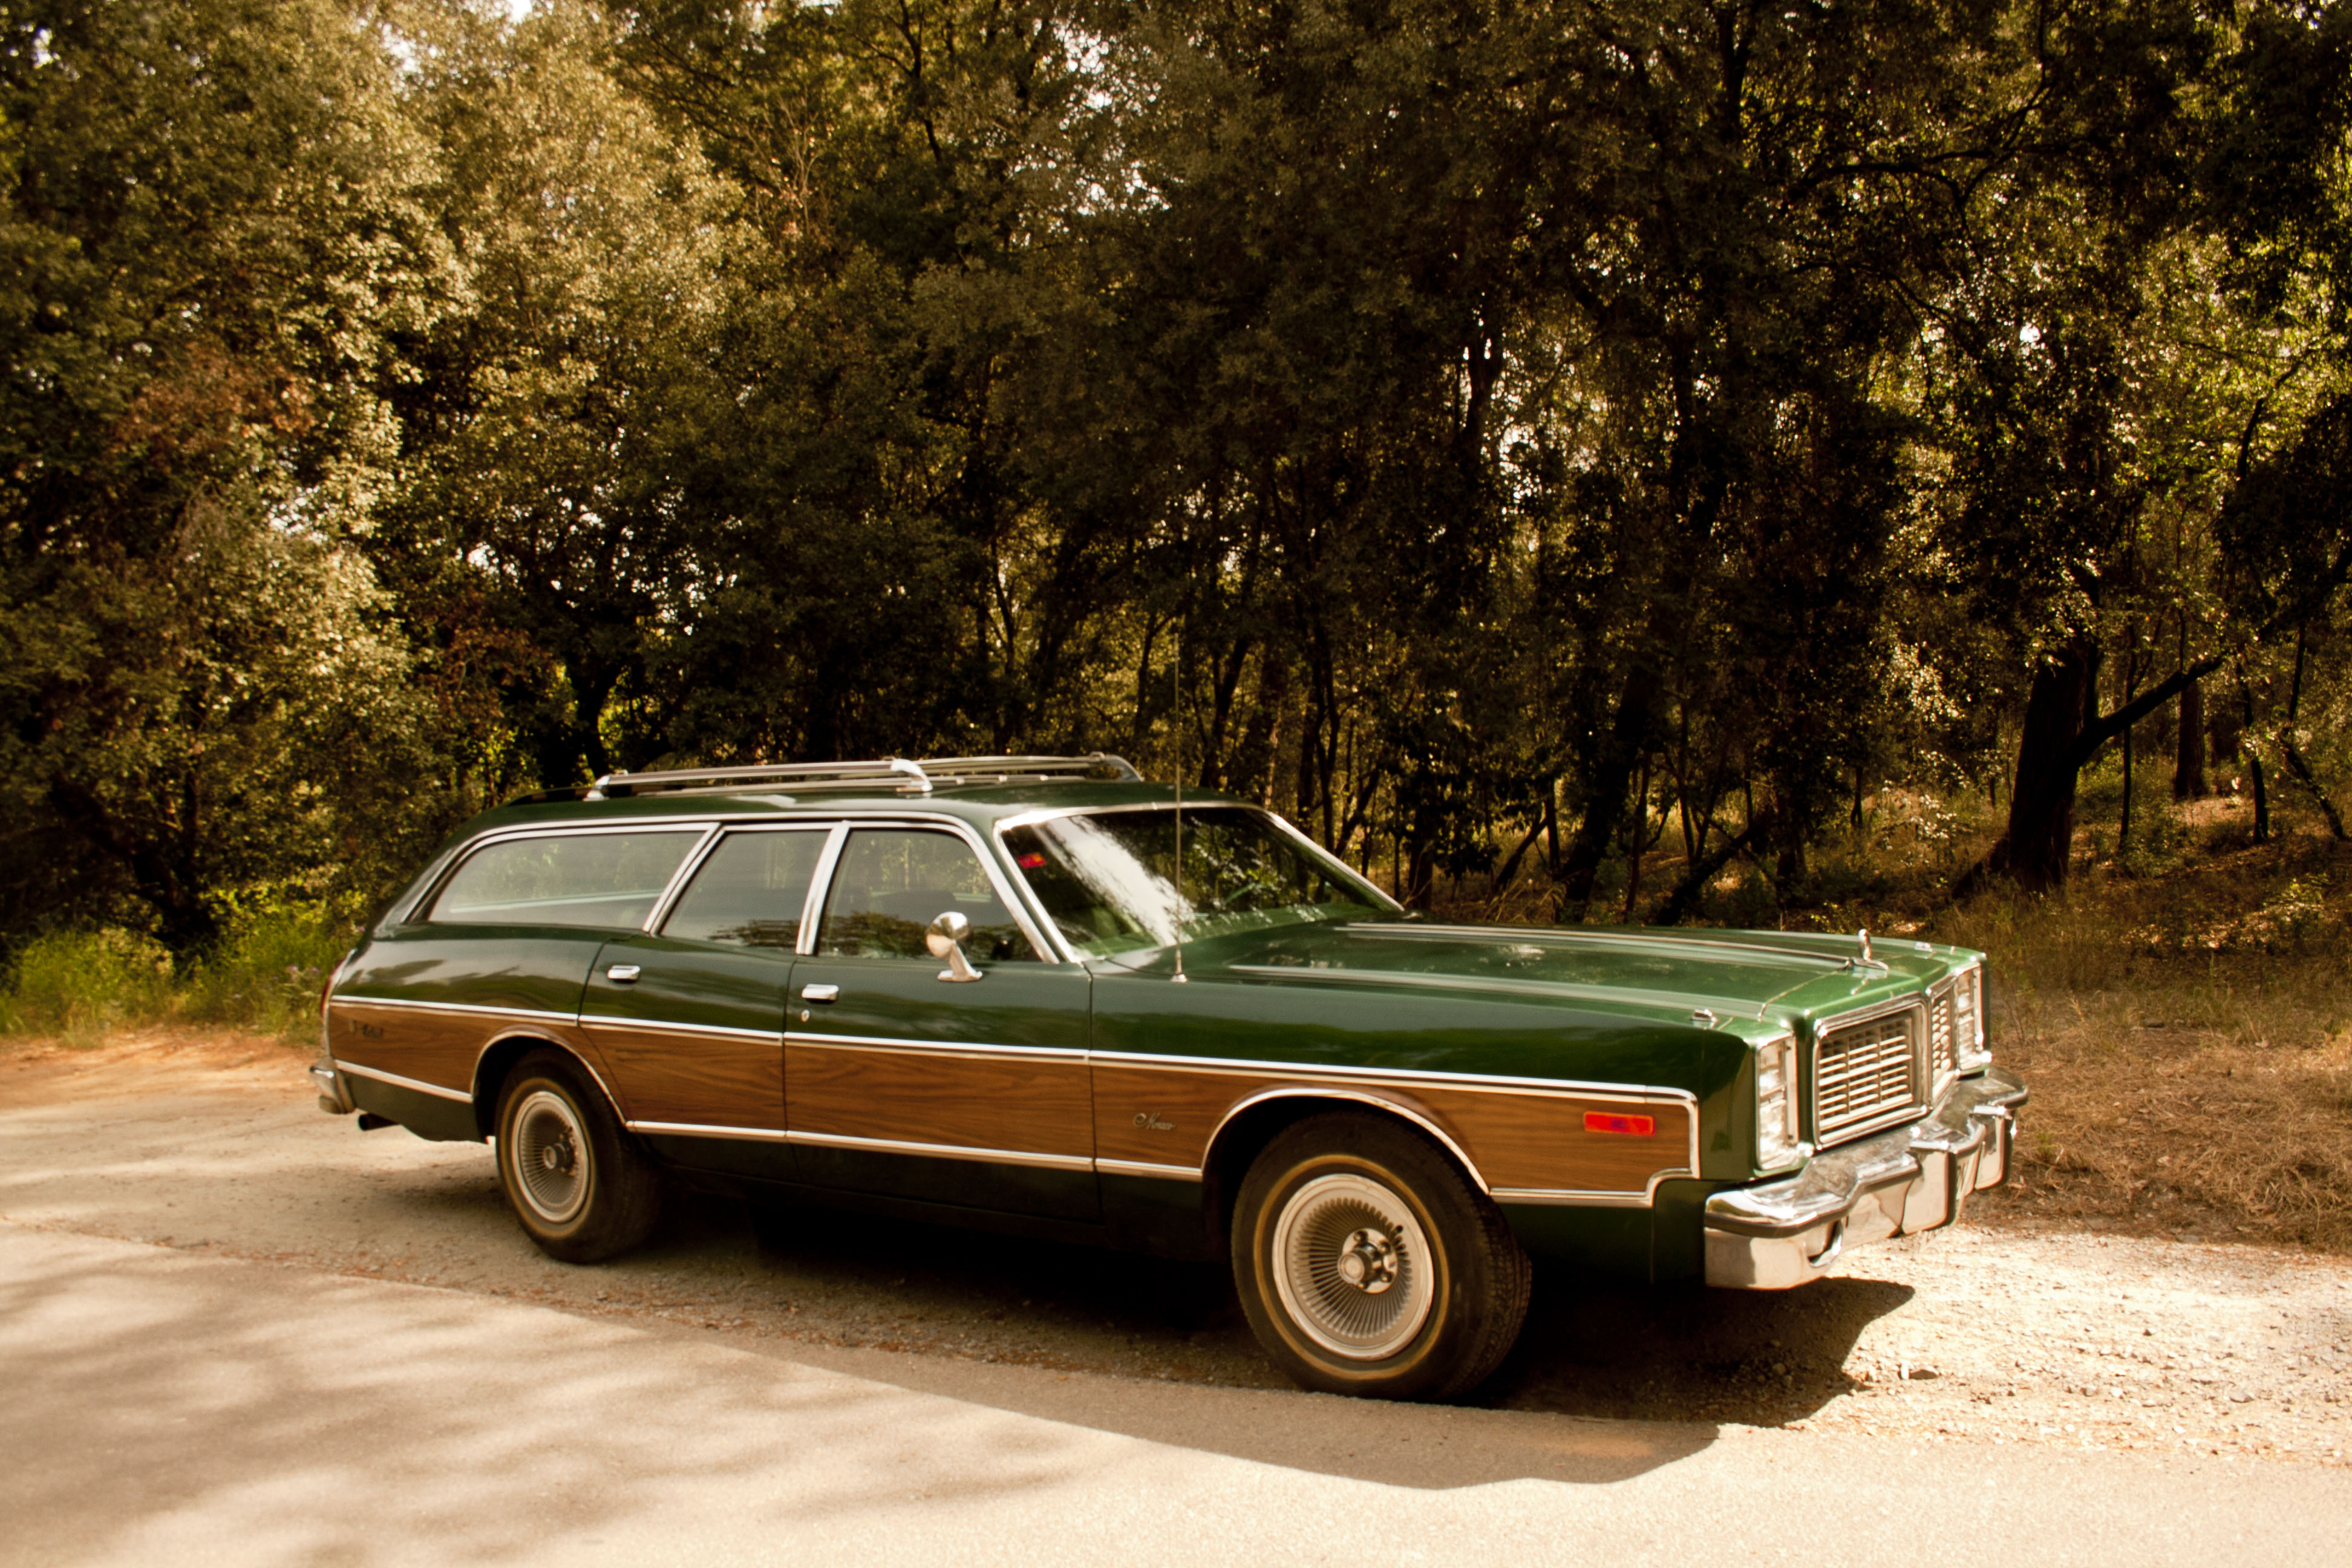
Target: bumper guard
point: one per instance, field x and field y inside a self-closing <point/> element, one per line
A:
<point x="1909" y="1179"/>
<point x="334" y="1097"/>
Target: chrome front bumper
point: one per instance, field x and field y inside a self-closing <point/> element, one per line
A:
<point x="1914" y="1178"/>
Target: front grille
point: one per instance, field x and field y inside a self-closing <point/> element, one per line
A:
<point x="1866" y="1070"/>
<point x="1943" y="1059"/>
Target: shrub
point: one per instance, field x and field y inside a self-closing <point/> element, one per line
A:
<point x="266" y="972"/>
<point x="79" y="985"/>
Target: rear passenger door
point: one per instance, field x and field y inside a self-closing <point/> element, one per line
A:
<point x="903" y="1083"/>
<point x="690" y="1020"/>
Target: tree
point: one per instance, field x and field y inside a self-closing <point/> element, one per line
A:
<point x="211" y="209"/>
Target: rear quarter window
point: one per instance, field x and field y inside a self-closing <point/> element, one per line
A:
<point x="611" y="879"/>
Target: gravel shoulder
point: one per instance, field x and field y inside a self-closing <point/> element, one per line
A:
<point x="2000" y="1331"/>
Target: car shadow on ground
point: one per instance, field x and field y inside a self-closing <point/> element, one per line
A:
<point x="1610" y="1380"/>
<point x="1626" y="1351"/>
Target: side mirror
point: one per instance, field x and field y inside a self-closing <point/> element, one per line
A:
<point x="946" y="938"/>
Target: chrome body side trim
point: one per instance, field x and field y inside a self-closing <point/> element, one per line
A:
<point x="960" y="1049"/>
<point x="1566" y="1197"/>
<point x="463" y="1009"/>
<point x="657" y="1026"/>
<point x="1634" y="1093"/>
<point x="570" y="1050"/>
<point x="419" y="1084"/>
<point x="705" y="1129"/>
<point x="1469" y="1166"/>
<point x="942" y="1151"/>
<point x="1337" y="1083"/>
<point x="518" y="1021"/>
<point x="1148" y="1168"/>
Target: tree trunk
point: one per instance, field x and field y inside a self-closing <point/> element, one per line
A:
<point x="1420" y="868"/>
<point x="1637" y="843"/>
<point x="2253" y="758"/>
<point x="1686" y="893"/>
<point x="2061" y="734"/>
<point x="2189" y="765"/>
<point x="2041" y="834"/>
<point x="2123" y="833"/>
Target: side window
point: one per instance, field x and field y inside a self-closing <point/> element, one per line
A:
<point x="892" y="882"/>
<point x="750" y="891"/>
<point x="565" y="879"/>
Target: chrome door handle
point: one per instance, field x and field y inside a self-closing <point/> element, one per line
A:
<point x="623" y="974"/>
<point x="820" y="993"/>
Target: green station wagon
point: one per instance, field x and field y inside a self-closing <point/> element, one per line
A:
<point x="1041" y="995"/>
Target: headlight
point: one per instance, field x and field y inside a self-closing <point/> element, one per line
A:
<point x="1970" y="1051"/>
<point x="1777" y="1143"/>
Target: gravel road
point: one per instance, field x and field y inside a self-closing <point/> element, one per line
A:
<point x="1992" y="1333"/>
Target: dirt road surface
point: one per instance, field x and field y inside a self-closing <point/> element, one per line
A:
<point x="1987" y="1351"/>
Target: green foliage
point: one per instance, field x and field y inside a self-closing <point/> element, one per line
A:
<point x="264" y="974"/>
<point x="1449" y="424"/>
<point x="272" y="961"/>
<point x="79" y="986"/>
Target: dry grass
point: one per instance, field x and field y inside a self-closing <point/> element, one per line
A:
<point x="2184" y="1016"/>
<point x="2188" y="1040"/>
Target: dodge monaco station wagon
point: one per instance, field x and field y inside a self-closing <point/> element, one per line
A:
<point x="1041" y="995"/>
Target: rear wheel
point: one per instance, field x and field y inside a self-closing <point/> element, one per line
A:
<point x="577" y="1182"/>
<point x="1368" y="1264"/>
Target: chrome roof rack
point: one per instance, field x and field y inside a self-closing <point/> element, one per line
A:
<point x="900" y="775"/>
<point x="1099" y="767"/>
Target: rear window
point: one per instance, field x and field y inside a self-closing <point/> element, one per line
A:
<point x="611" y="879"/>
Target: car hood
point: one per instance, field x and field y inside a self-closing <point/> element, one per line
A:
<point x="1770" y="977"/>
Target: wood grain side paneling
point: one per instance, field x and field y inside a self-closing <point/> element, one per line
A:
<point x="1523" y="1139"/>
<point x="1163" y="1116"/>
<point x="1534" y="1140"/>
<point x="1024" y="1104"/>
<point x="696" y="1080"/>
<point x="437" y="1048"/>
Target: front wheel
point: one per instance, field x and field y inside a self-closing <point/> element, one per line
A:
<point x="1368" y="1264"/>
<point x="573" y="1177"/>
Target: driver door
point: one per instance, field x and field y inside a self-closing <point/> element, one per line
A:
<point x="903" y="1080"/>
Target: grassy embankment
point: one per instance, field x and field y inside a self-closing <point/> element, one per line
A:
<point x="78" y="987"/>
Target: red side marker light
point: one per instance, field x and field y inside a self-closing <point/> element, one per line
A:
<point x="1631" y="1126"/>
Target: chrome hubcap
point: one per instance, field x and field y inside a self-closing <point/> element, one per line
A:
<point x="550" y="1156"/>
<point x="1352" y="1267"/>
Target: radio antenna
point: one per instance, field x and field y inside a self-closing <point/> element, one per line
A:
<point x="1176" y="725"/>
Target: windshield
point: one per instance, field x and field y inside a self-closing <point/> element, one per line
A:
<point x="1109" y="880"/>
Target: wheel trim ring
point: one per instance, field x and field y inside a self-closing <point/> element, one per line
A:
<point x="1305" y="1252"/>
<point x="544" y="1122"/>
